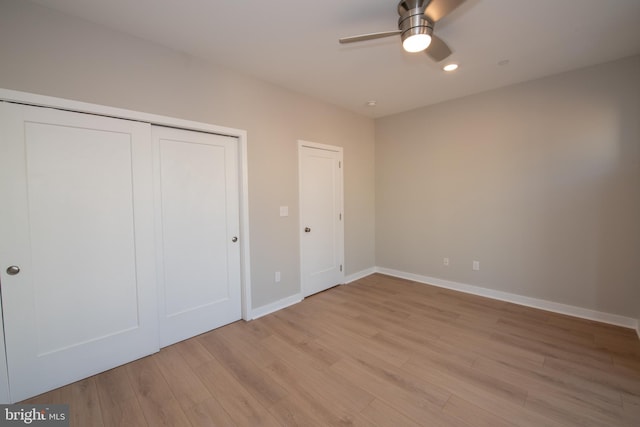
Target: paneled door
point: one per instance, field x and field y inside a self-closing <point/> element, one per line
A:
<point x="196" y="184"/>
<point x="77" y="265"/>
<point x="321" y="222"/>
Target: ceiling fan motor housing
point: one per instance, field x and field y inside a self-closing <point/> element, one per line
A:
<point x="412" y="19"/>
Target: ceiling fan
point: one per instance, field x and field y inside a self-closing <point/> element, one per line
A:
<point x="415" y="25"/>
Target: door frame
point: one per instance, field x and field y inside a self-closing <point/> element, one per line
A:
<point x="7" y="95"/>
<point x="340" y="151"/>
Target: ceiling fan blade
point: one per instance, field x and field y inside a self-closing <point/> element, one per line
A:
<point x="370" y="36"/>
<point x="438" y="49"/>
<point x="438" y="9"/>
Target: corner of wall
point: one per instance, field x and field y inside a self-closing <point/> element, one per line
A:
<point x="359" y="275"/>
<point x="275" y="306"/>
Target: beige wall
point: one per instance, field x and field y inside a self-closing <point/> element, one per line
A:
<point x="540" y="182"/>
<point x="48" y="53"/>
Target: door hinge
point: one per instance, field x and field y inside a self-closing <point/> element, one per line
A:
<point x="339" y="164"/>
<point x="340" y="267"/>
<point x="340" y="216"/>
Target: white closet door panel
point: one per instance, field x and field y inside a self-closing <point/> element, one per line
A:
<point x="80" y="193"/>
<point x="199" y="263"/>
<point x="79" y="201"/>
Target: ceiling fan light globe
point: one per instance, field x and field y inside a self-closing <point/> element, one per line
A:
<point x="416" y="42"/>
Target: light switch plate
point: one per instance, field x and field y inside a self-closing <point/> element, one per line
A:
<point x="284" y="210"/>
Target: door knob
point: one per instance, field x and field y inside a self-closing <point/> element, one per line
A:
<point x="234" y="239"/>
<point x="13" y="270"/>
<point x="307" y="230"/>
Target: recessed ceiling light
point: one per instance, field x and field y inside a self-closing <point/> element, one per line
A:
<point x="450" y="67"/>
<point x="371" y="103"/>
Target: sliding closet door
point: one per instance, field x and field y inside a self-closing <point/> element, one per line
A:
<point x="77" y="263"/>
<point x="196" y="182"/>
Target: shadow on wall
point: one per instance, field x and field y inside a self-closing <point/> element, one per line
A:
<point x="618" y="239"/>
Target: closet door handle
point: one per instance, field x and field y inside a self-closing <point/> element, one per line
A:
<point x="13" y="270"/>
<point x="234" y="239"/>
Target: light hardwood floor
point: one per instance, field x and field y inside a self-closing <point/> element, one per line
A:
<point x="378" y="352"/>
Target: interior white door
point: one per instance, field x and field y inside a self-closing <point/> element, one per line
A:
<point x="198" y="243"/>
<point x="76" y="194"/>
<point x="321" y="222"/>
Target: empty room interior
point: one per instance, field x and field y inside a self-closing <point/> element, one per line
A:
<point x="255" y="214"/>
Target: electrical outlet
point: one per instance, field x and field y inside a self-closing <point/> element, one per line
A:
<point x="446" y="262"/>
<point x="476" y="265"/>
<point x="277" y="278"/>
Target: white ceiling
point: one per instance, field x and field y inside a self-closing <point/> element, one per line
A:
<point x="295" y="44"/>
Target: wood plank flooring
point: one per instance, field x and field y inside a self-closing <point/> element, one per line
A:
<point x="378" y="352"/>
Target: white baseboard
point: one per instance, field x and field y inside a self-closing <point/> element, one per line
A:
<point x="359" y="275"/>
<point x="275" y="306"/>
<point x="612" y="319"/>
